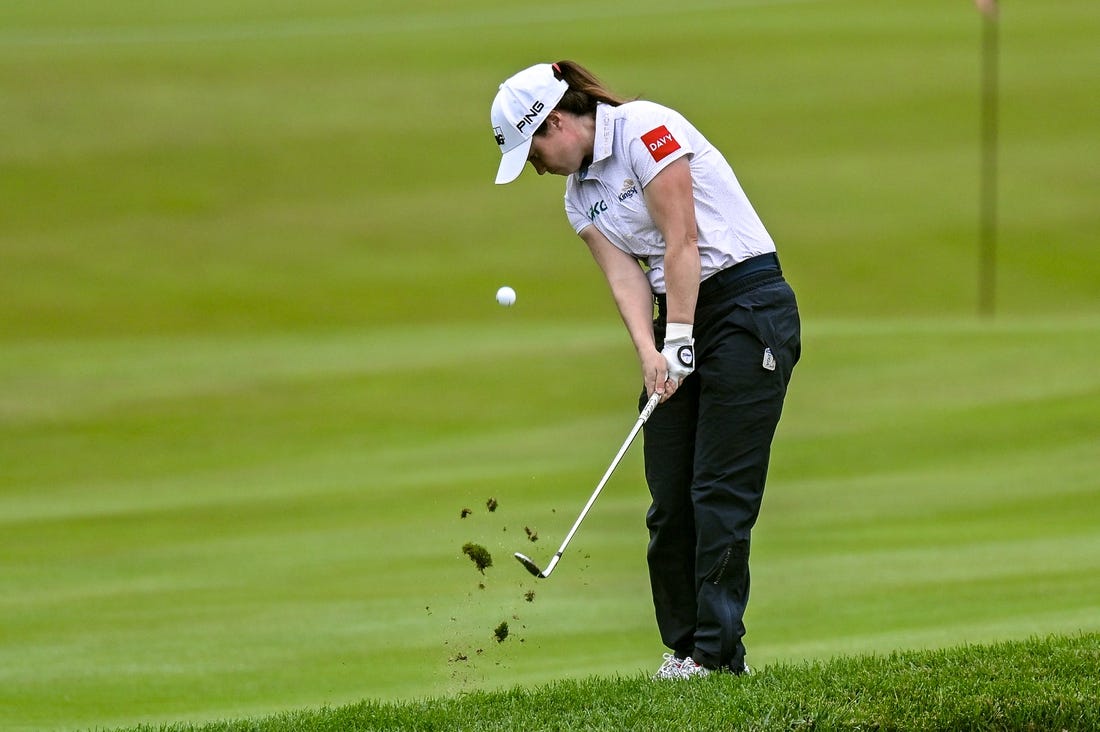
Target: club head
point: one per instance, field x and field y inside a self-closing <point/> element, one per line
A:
<point x="531" y="566"/>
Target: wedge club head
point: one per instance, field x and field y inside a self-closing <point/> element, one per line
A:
<point x="534" y="569"/>
<point x="530" y="565"/>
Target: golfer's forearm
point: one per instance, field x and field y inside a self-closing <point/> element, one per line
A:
<point x="671" y="204"/>
<point x="634" y="299"/>
<point x="682" y="271"/>
<point x="629" y="287"/>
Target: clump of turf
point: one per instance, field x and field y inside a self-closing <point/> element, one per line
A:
<point x="479" y="555"/>
<point x="491" y="504"/>
<point x="529" y="596"/>
<point x="466" y="512"/>
<point x="501" y="632"/>
<point x="532" y="535"/>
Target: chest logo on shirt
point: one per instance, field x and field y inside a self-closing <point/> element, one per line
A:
<point x="598" y="208"/>
<point x="630" y="189"/>
<point x="661" y="143"/>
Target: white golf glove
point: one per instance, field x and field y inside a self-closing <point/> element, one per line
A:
<point x="679" y="351"/>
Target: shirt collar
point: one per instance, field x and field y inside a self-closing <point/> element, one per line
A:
<point x="605" y="132"/>
<point x="604" y="138"/>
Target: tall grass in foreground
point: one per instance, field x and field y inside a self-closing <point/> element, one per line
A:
<point x="1037" y="684"/>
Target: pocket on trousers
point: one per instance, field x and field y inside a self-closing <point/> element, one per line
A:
<point x="776" y="323"/>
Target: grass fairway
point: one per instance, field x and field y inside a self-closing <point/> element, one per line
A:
<point x="1046" y="684"/>
<point x="251" y="370"/>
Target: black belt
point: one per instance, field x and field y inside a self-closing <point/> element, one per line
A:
<point x="734" y="280"/>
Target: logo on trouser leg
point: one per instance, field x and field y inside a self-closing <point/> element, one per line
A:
<point x="769" y="360"/>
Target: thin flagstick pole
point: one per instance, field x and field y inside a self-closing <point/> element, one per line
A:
<point x="988" y="194"/>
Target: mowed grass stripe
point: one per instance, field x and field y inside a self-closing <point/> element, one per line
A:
<point x="327" y="471"/>
<point x="82" y="377"/>
<point x="428" y="19"/>
<point x="956" y="360"/>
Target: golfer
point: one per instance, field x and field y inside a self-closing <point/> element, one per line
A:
<point x="669" y="225"/>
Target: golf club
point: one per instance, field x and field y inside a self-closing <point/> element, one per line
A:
<point x="543" y="574"/>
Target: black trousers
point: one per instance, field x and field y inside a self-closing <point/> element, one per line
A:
<point x="706" y="458"/>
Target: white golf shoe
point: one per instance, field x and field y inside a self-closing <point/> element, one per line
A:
<point x="687" y="668"/>
<point x="670" y="669"/>
<point x="691" y="670"/>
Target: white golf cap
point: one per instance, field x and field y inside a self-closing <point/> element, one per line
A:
<point x="520" y="107"/>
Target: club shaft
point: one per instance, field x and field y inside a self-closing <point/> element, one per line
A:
<point x="646" y="411"/>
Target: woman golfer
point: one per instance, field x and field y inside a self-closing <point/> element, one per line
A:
<point x="666" y="220"/>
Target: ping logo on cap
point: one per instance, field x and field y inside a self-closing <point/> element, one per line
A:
<point x="530" y="116"/>
<point x="660" y="143"/>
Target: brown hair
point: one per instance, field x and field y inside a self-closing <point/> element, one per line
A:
<point x="584" y="93"/>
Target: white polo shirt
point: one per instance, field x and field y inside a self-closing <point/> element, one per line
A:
<point x="636" y="141"/>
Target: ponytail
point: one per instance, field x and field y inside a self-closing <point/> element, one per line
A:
<point x="585" y="90"/>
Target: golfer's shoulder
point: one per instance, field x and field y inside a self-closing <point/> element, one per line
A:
<point x="642" y="112"/>
<point x="642" y="119"/>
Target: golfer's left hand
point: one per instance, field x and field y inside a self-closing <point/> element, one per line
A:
<point x="679" y="351"/>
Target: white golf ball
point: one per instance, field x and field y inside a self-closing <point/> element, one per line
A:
<point x="506" y="296"/>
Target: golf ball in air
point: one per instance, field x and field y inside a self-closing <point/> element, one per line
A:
<point x="506" y="296"/>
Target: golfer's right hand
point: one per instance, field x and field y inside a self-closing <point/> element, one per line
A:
<point x="655" y="375"/>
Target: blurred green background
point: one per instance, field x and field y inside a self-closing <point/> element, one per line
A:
<point x="251" y="369"/>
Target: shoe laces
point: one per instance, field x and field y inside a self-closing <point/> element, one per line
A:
<point x="670" y="669"/>
<point x="690" y="668"/>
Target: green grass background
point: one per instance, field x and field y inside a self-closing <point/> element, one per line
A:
<point x="251" y="369"/>
<point x="1038" y="683"/>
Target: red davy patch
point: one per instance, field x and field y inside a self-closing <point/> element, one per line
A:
<point x="661" y="143"/>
